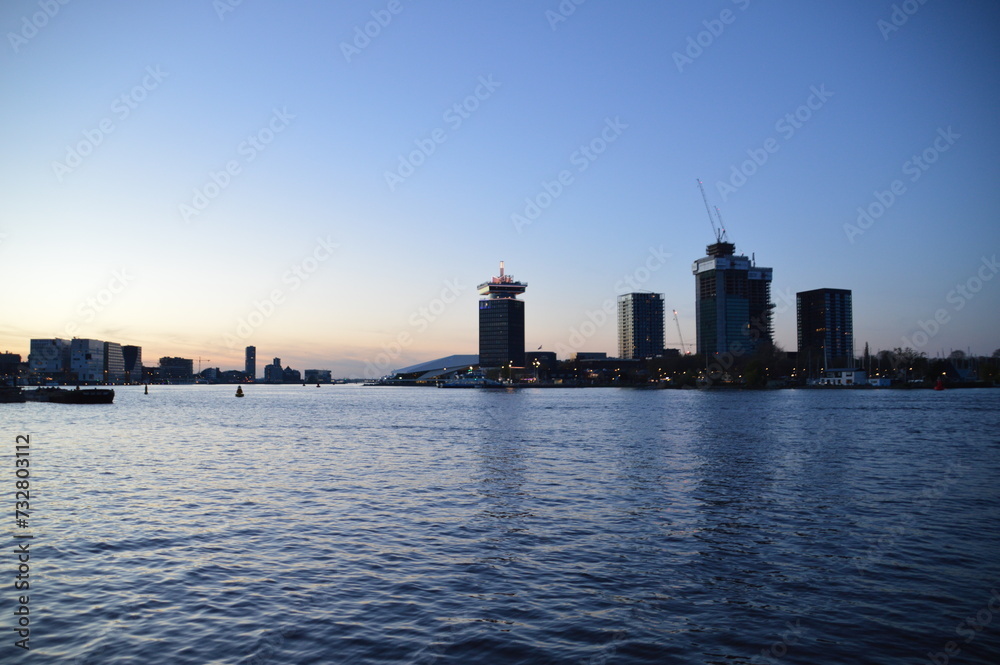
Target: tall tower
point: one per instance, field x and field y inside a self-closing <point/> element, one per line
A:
<point x="250" y="368"/>
<point x="501" y="322"/>
<point x="732" y="300"/>
<point x="825" y="321"/>
<point x="640" y="325"/>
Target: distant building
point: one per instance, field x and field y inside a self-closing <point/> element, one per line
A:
<point x="273" y="373"/>
<point x="640" y="325"/>
<point x="114" y="363"/>
<point x="825" y="322"/>
<point x="545" y="359"/>
<point x="318" y="376"/>
<point x="176" y="369"/>
<point x="86" y="360"/>
<point x="251" y="363"/>
<point x="289" y="375"/>
<point x="501" y="322"/>
<point x="48" y="359"/>
<point x="732" y="300"/>
<point x="132" y="356"/>
<point x="10" y="364"/>
<point x="582" y="356"/>
<point x="843" y="377"/>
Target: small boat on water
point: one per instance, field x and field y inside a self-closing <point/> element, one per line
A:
<point x="63" y="396"/>
<point x="239" y="391"/>
<point x="472" y="379"/>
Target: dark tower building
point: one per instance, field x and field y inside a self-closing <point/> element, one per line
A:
<point x="250" y="368"/>
<point x="825" y="321"/>
<point x="733" y="301"/>
<point x="640" y="325"/>
<point x="501" y="322"/>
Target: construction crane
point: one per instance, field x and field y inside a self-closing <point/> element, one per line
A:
<point x="678" y="323"/>
<point x="718" y="231"/>
<point x="200" y="359"/>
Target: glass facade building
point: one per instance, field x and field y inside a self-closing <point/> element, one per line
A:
<point x="501" y="322"/>
<point x="825" y="325"/>
<point x="640" y="325"/>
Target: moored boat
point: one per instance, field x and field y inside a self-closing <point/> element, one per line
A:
<point x="63" y="396"/>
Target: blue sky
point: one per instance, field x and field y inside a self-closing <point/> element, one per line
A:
<point x="196" y="176"/>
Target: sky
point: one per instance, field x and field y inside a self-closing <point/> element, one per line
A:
<point x="329" y="182"/>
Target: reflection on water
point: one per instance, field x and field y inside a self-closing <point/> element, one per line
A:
<point x="385" y="525"/>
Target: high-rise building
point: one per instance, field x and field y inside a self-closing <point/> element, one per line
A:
<point x="640" y="325"/>
<point x="501" y="322"/>
<point x="250" y="368"/>
<point x="86" y="360"/>
<point x="48" y="359"/>
<point x="114" y="363"/>
<point x="732" y="300"/>
<point x="825" y="321"/>
<point x="132" y="356"/>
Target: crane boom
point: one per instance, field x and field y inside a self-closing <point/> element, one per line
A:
<point x="708" y="209"/>
<point x="678" y="323"/>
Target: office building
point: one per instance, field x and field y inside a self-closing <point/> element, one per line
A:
<point x="114" y="363"/>
<point x="250" y="366"/>
<point x="825" y="322"/>
<point x="86" y="360"/>
<point x="176" y="369"/>
<point x="640" y="325"/>
<point x="318" y="376"/>
<point x="132" y="355"/>
<point x="501" y="322"/>
<point x="732" y="301"/>
<point x="48" y="359"/>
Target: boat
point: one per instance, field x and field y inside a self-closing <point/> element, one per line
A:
<point x="63" y="396"/>
<point x="11" y="395"/>
<point x="239" y="391"/>
<point x="471" y="379"/>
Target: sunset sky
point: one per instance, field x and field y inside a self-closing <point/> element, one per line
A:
<point x="324" y="179"/>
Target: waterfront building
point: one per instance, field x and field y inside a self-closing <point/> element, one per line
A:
<point x="501" y="322"/>
<point x="289" y="375"/>
<point x="86" y="360"/>
<point x="732" y="300"/>
<point x="176" y="369"/>
<point x="48" y="359"/>
<point x="825" y="322"/>
<point x="250" y="365"/>
<point x="132" y="356"/>
<point x="640" y="325"/>
<point x="318" y="376"/>
<point x="114" y="363"/>
<point x="273" y="373"/>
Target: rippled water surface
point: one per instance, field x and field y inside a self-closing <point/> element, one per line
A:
<point x="350" y="524"/>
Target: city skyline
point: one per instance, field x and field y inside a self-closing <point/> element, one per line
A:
<point x="336" y="196"/>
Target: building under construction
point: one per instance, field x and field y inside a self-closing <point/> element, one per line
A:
<point x="732" y="297"/>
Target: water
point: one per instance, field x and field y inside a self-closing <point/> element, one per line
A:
<point x="350" y="524"/>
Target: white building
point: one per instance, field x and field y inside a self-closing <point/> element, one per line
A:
<point x="843" y="377"/>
